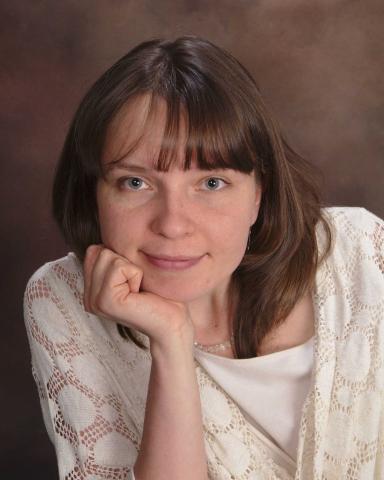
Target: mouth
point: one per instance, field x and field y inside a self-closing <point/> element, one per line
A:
<point x="166" y="262"/>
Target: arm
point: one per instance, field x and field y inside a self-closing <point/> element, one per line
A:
<point x="74" y="386"/>
<point x="172" y="445"/>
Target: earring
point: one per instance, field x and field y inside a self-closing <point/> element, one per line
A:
<point x="249" y="241"/>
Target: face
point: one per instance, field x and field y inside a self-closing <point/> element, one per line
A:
<point x="187" y="230"/>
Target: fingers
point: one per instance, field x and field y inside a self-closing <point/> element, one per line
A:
<point x="91" y="256"/>
<point x="108" y="278"/>
<point x="112" y="291"/>
<point x="120" y="280"/>
<point x="100" y="267"/>
<point x="135" y="281"/>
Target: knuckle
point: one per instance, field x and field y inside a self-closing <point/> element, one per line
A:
<point x="118" y="262"/>
<point x="129" y="268"/>
<point x="136" y="274"/>
<point x="105" y="253"/>
<point x="89" y="250"/>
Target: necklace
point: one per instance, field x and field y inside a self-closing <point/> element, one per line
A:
<point x="217" y="347"/>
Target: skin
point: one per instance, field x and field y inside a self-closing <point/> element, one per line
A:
<point x="206" y="214"/>
<point x="173" y="213"/>
<point x="169" y="213"/>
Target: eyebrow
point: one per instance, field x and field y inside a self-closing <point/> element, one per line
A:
<point x="124" y="164"/>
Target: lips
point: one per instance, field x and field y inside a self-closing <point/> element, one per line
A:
<point x="178" y="258"/>
<point x="166" y="262"/>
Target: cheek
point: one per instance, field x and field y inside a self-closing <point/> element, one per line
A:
<point x="116" y="227"/>
<point x="231" y="233"/>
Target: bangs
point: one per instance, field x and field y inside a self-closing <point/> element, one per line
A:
<point x="214" y="136"/>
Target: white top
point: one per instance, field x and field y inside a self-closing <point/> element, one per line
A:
<point x="278" y="383"/>
<point x="93" y="384"/>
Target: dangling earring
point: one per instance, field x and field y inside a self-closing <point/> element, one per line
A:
<point x="249" y="241"/>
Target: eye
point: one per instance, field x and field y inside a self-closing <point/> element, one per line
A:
<point x="131" y="183"/>
<point x="214" y="183"/>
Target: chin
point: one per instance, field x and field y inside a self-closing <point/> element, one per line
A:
<point x="178" y="294"/>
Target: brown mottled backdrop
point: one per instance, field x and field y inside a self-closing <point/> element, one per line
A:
<point x="319" y="64"/>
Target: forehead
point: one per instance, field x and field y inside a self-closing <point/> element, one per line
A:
<point x="163" y="134"/>
<point x="138" y="131"/>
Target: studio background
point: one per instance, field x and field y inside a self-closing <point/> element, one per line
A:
<point x="319" y="65"/>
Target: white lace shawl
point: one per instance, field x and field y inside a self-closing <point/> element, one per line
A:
<point x="92" y="384"/>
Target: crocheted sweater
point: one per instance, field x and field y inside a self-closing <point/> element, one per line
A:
<point x="93" y="384"/>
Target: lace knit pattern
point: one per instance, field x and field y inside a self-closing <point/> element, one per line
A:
<point x="92" y="384"/>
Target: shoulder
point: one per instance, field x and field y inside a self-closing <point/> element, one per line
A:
<point x="64" y="274"/>
<point x="357" y="217"/>
<point x="53" y="296"/>
<point x="355" y="227"/>
<point x="63" y="267"/>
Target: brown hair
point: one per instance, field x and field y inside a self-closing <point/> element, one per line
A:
<point x="228" y="126"/>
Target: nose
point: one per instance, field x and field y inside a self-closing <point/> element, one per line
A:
<point x="173" y="216"/>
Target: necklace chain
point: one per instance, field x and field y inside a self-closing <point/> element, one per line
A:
<point x="217" y="347"/>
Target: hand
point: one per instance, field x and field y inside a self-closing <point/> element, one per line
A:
<point x="112" y="290"/>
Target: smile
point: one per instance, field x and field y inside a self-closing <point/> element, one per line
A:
<point x="173" y="263"/>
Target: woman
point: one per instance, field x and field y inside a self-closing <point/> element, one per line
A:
<point x="213" y="321"/>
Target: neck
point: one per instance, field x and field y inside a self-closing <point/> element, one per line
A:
<point x="212" y="316"/>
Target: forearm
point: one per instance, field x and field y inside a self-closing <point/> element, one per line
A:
<point x="172" y="444"/>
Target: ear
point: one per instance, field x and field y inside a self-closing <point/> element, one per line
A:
<point x="256" y="204"/>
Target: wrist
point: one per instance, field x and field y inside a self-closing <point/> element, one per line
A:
<point x="173" y="344"/>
